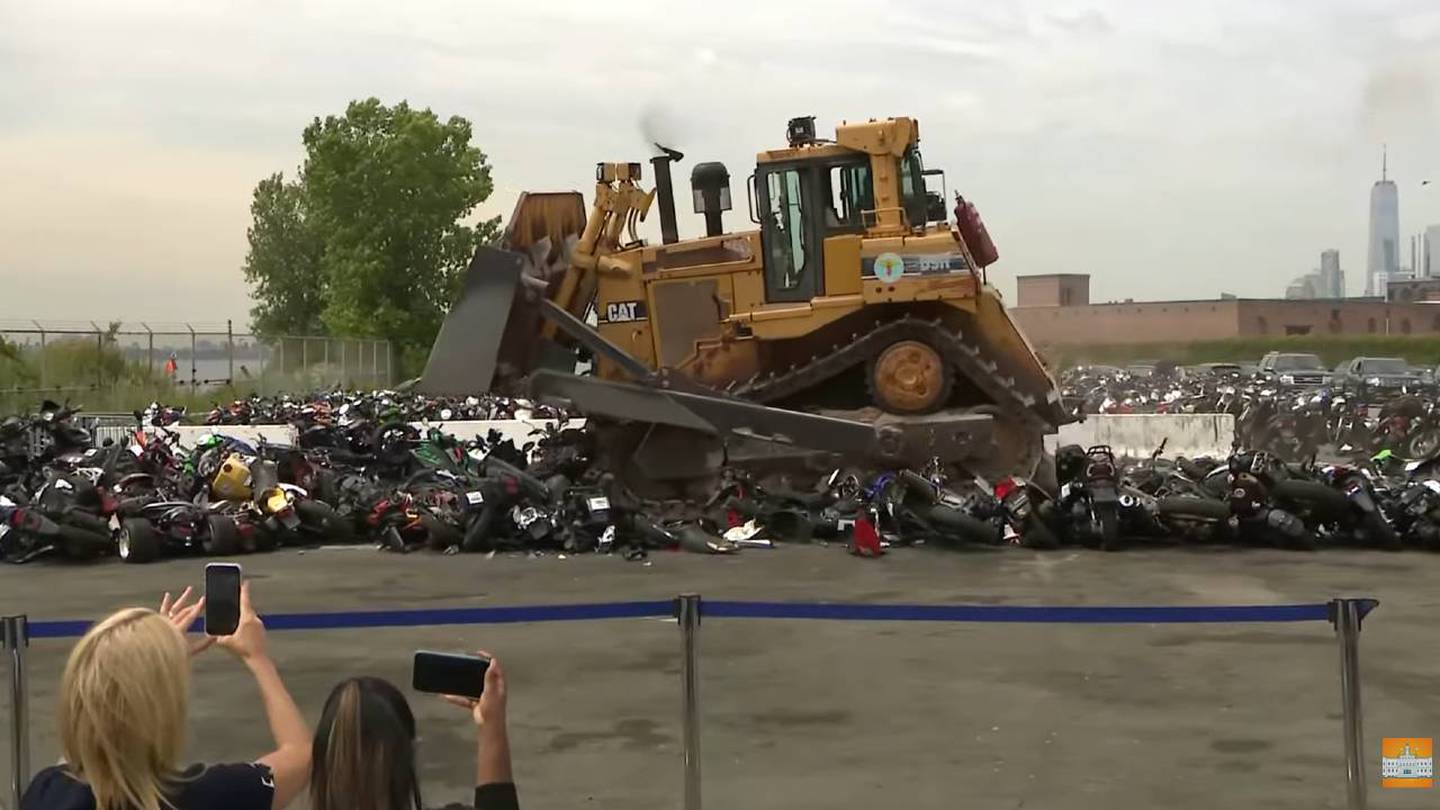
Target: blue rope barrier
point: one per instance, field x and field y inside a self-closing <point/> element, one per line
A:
<point x="417" y="618"/>
<point x="1032" y="614"/>
<point x="1035" y="614"/>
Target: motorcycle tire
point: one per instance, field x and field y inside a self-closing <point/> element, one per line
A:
<point x="477" y="534"/>
<point x="1109" y="528"/>
<point x="919" y="486"/>
<point x="321" y="518"/>
<point x="138" y="542"/>
<point x="958" y="524"/>
<point x="1324" y="501"/>
<point x="222" y="538"/>
<point x="391" y="442"/>
<point x="1424" y="444"/>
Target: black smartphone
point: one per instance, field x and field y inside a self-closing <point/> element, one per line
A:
<point x="450" y="674"/>
<point x="222" y="599"/>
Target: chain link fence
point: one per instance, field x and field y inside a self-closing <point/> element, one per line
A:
<point x="120" y="364"/>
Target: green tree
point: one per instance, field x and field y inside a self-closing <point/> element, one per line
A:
<point x="370" y="240"/>
<point x="388" y="188"/>
<point x="282" y="264"/>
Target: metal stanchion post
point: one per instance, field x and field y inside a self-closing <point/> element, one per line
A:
<point x="1347" y="616"/>
<point x="16" y="633"/>
<point x="688" y="611"/>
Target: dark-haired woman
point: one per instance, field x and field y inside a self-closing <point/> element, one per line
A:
<point x="364" y="751"/>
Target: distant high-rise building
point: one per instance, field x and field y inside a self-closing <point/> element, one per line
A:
<point x="1332" y="278"/>
<point x="1430" y="253"/>
<point x="1303" y="287"/>
<point x="1383" y="259"/>
<point x="1326" y="281"/>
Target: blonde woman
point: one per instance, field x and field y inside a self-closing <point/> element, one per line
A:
<point x="122" y="714"/>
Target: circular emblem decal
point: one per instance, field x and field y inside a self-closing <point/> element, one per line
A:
<point x="889" y="267"/>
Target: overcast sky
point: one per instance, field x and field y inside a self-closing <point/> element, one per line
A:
<point x="1169" y="149"/>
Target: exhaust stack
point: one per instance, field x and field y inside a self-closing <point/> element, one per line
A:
<point x="710" y="184"/>
<point x="666" y="192"/>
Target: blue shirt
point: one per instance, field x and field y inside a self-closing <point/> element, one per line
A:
<point x="248" y="786"/>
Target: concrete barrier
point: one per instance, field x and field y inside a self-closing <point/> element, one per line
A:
<point x="517" y="430"/>
<point x="1137" y="435"/>
<point x="274" y="434"/>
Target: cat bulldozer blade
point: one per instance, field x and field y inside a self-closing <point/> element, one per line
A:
<point x="854" y="317"/>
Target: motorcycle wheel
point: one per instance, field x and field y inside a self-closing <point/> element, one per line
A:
<point x="1109" y="528"/>
<point x="138" y="541"/>
<point x="222" y="538"/>
<point x="1424" y="444"/>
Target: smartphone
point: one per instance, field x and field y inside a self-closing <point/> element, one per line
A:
<point x="222" y="599"/>
<point x="449" y="674"/>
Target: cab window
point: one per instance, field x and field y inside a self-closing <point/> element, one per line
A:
<point x="786" y="263"/>
<point x="912" y="187"/>
<point x="849" y="195"/>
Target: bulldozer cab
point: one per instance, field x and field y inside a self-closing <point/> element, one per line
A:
<point x="816" y="190"/>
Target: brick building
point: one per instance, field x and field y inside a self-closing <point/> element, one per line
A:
<point x="1054" y="290"/>
<point x="1050" y="324"/>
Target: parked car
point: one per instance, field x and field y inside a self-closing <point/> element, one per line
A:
<point x="1294" y="368"/>
<point x="1377" y="376"/>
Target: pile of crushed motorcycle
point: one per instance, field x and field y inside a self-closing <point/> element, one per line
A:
<point x="1285" y="419"/>
<point x="363" y="476"/>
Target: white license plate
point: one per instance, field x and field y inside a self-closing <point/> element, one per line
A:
<point x="599" y="504"/>
<point x="475" y="497"/>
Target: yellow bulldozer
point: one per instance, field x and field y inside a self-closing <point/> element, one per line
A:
<point x="854" y="317"/>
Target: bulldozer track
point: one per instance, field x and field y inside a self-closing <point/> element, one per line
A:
<point x="966" y="358"/>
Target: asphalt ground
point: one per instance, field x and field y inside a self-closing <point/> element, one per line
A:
<point x="823" y="714"/>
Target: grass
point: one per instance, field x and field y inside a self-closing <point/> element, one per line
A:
<point x="98" y="376"/>
<point x="1420" y="350"/>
